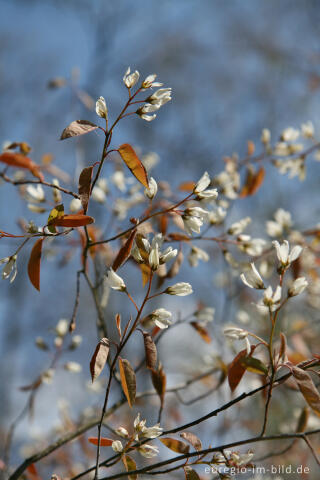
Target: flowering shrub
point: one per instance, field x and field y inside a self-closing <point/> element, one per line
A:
<point x="263" y="355"/>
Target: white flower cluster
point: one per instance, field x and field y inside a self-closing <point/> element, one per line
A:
<point x="151" y="254"/>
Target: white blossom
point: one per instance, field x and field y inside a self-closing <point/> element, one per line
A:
<point x="202" y="184"/>
<point x="130" y="79"/>
<point x="57" y="197"/>
<point x="205" y="315"/>
<point x="98" y="195"/>
<point x="197" y="254"/>
<point x="75" y="205"/>
<point x="149" y="82"/>
<point x="152" y="190"/>
<point x="154" y="260"/>
<point x="290" y="134"/>
<point x="62" y="327"/>
<point x="10" y="268"/>
<point x="265" y="136"/>
<point x="161" y="317"/>
<point x="252" y="278"/>
<point x="73" y="367"/>
<point x="161" y="96"/>
<point x="122" y="432"/>
<point x="270" y="301"/>
<point x="193" y="219"/>
<point x="114" y="281"/>
<point x="307" y="130"/>
<point x="36" y="193"/>
<point x="283" y="221"/>
<point x="101" y="107"/>
<point x="235" y="333"/>
<point x="180" y="289"/>
<point x="238" y="227"/>
<point x="284" y="255"/>
<point x="117" y="446"/>
<point x="297" y="287"/>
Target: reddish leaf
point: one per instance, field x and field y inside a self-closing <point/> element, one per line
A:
<point x="99" y="358"/>
<point x="72" y="220"/>
<point x="129" y="465"/>
<point x="186" y="186"/>
<point x="78" y="127"/>
<point x="132" y="161"/>
<point x="253" y="182"/>
<point x="84" y="187"/>
<point x="192" y="439"/>
<point x="145" y="271"/>
<point x="202" y="331"/>
<point x="34" y="264"/>
<point x="307" y="388"/>
<point x="104" y="442"/>
<point x="118" y="323"/>
<point x="250" y="148"/>
<point x="175" y="445"/>
<point x="128" y="380"/>
<point x="21" y="161"/>
<point x="178" y="237"/>
<point x="151" y="351"/>
<point x="124" y="252"/>
<point x="237" y="369"/>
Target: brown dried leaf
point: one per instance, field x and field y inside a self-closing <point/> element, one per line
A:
<point x="35" y="263"/>
<point x="186" y="186"/>
<point x="151" y="351"/>
<point x="128" y="380"/>
<point x="175" y="445"/>
<point x="203" y="332"/>
<point x="307" y="388"/>
<point x="254" y="365"/>
<point x="253" y="182"/>
<point x="124" y="252"/>
<point x="192" y="439"/>
<point x="72" y="220"/>
<point x="78" y="127"/>
<point x="190" y="474"/>
<point x="159" y="381"/>
<point x="84" y="187"/>
<point x="99" y="358"/>
<point x="19" y="160"/>
<point x="130" y="466"/>
<point x="283" y="346"/>
<point x="132" y="161"/>
<point x="145" y="271"/>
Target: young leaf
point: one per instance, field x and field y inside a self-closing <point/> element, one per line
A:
<point x="56" y="212"/>
<point x="21" y="161"/>
<point x="307" y="388"/>
<point x="128" y="380"/>
<point x="104" y="442"/>
<point x="190" y="474"/>
<point x="124" y="252"/>
<point x="253" y="182"/>
<point x="237" y="369"/>
<point x="73" y="220"/>
<point x="202" y="331"/>
<point x="78" y="127"/>
<point x="34" y="264"/>
<point x="118" y="323"/>
<point x="130" y="466"/>
<point x="145" y="271"/>
<point x="175" y="445"/>
<point x="159" y="381"/>
<point x="151" y="351"/>
<point x="99" y="358"/>
<point x="283" y="346"/>
<point x="254" y="365"/>
<point x="84" y="187"/>
<point x="132" y="161"/>
<point x="192" y="439"/>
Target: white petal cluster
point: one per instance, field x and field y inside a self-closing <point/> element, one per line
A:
<point x="101" y="108"/>
<point x="307" y="130"/>
<point x="36" y="193"/>
<point x="152" y="190"/>
<point x="117" y="446"/>
<point x="160" y="317"/>
<point x="251" y="246"/>
<point x="73" y="367"/>
<point x="180" y="289"/>
<point x="265" y="136"/>
<point x="200" y="189"/>
<point x="270" y="301"/>
<point x="62" y="327"/>
<point x="193" y="219"/>
<point x="298" y="286"/>
<point x="114" y="281"/>
<point x="149" y="82"/>
<point x="281" y="223"/>
<point x="205" y="315"/>
<point x="153" y="103"/>
<point x="9" y="270"/>
<point x="130" y="79"/>
<point x="238" y="227"/>
<point x="197" y="254"/>
<point x="235" y="333"/>
<point x="142" y="431"/>
<point x="284" y="255"/>
<point x="252" y="278"/>
<point x="156" y="257"/>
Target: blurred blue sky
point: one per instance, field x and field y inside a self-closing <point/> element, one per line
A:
<point x="234" y="67"/>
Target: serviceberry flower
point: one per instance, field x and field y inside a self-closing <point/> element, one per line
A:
<point x="117" y="446"/>
<point x="297" y="287"/>
<point x="10" y="268"/>
<point x="284" y="255"/>
<point x="270" y="301"/>
<point x="149" y="82"/>
<point x="101" y="108"/>
<point x="235" y="333"/>
<point x="193" y="219"/>
<point x="180" y="289"/>
<point x="130" y="79"/>
<point x="160" y="317"/>
<point x="114" y="281"/>
<point x="161" y="96"/>
<point x="152" y="190"/>
<point x="252" y="278"/>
